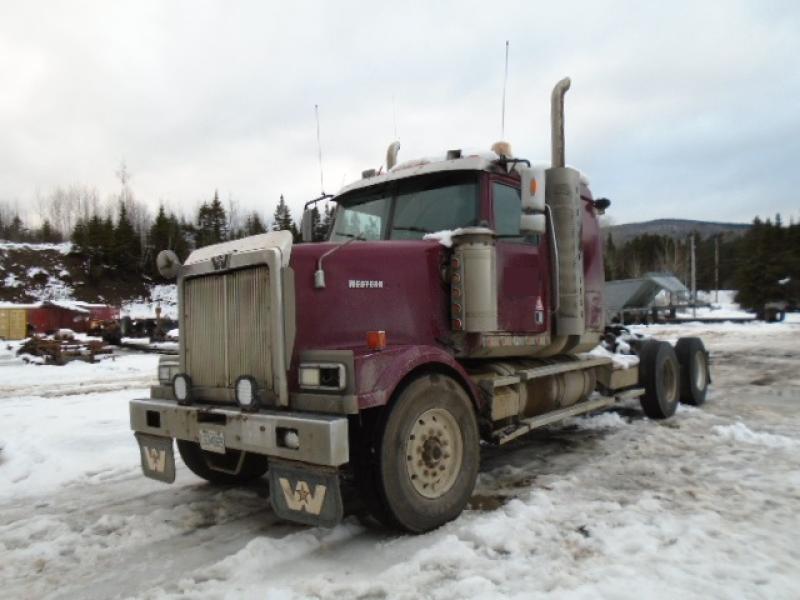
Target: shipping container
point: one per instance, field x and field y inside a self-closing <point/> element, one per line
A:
<point x="13" y="323"/>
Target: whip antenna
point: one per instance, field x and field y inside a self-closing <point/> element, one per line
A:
<point x="503" y="112"/>
<point x="394" y="116"/>
<point x="319" y="151"/>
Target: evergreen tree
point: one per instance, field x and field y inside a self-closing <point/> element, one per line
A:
<point x="282" y="217"/>
<point x="212" y="223"/>
<point x="253" y="225"/>
<point x="126" y="245"/>
<point x="327" y="221"/>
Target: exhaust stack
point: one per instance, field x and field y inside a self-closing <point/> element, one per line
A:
<point x="557" y="122"/>
<point x="562" y="192"/>
<point x="391" y="155"/>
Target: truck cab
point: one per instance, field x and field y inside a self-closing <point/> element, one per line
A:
<point x="455" y="301"/>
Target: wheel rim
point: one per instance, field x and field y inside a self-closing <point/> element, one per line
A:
<point x="699" y="371"/>
<point x="434" y="453"/>
<point x="670" y="382"/>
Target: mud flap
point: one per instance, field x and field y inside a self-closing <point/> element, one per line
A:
<point x="308" y="495"/>
<point x="158" y="459"/>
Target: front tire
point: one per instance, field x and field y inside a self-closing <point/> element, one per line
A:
<point x="659" y="373"/>
<point x="429" y="453"/>
<point x="252" y="467"/>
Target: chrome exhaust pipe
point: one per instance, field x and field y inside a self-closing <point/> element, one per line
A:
<point x="391" y="155"/>
<point x="557" y="122"/>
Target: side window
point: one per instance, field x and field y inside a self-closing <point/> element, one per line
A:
<point x="507" y="212"/>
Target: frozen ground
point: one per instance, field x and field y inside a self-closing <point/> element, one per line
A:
<point x="612" y="506"/>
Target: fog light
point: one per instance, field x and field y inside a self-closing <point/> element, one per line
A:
<point x="246" y="391"/>
<point x="182" y="388"/>
<point x="287" y="438"/>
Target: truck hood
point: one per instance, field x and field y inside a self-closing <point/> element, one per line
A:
<point x="397" y="287"/>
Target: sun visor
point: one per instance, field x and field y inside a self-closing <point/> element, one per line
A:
<point x="281" y="240"/>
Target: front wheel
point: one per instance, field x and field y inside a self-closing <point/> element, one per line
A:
<point x="429" y="453"/>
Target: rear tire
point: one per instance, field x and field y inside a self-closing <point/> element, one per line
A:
<point x="693" y="359"/>
<point x="429" y="454"/>
<point x="659" y="373"/>
<point x="197" y="459"/>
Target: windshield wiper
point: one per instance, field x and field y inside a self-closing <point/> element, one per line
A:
<point x="350" y="235"/>
<point x="412" y="228"/>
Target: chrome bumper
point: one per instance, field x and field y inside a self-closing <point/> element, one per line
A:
<point x="323" y="438"/>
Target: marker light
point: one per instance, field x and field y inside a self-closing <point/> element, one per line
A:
<point x="376" y="340"/>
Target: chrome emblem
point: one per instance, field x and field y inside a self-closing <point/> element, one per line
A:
<point x="221" y="261"/>
<point x="365" y="284"/>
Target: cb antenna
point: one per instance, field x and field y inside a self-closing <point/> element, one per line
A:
<point x="319" y="151"/>
<point x="394" y="116"/>
<point x="503" y="111"/>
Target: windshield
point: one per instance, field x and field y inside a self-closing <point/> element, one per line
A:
<point x="408" y="209"/>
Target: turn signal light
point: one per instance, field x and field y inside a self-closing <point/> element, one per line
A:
<point x="376" y="340"/>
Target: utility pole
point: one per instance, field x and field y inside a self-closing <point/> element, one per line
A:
<point x="694" y="281"/>
<point x="716" y="269"/>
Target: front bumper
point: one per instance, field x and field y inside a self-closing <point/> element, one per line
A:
<point x="323" y="439"/>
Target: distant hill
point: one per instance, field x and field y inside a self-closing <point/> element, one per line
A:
<point x="674" y="228"/>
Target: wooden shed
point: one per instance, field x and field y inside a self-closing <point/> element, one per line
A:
<point x="50" y="316"/>
<point x="13" y="322"/>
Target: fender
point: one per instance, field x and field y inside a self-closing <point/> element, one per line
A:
<point x="379" y="373"/>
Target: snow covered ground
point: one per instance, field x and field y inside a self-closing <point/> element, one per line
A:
<point x="703" y="505"/>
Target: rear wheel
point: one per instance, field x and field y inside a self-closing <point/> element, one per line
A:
<point x="239" y="466"/>
<point x="693" y="361"/>
<point x="659" y="373"/>
<point x="429" y="453"/>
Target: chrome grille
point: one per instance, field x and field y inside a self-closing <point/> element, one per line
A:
<point x="227" y="334"/>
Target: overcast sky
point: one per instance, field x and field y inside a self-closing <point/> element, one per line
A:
<point x="688" y="110"/>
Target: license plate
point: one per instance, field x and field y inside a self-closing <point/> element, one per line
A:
<point x="212" y="440"/>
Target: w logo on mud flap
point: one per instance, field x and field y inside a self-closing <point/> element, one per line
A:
<point x="156" y="459"/>
<point x="301" y="498"/>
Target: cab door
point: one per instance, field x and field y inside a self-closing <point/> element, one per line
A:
<point x="522" y="264"/>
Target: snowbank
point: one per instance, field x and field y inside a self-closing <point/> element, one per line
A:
<point x="164" y="296"/>
<point x="63" y="248"/>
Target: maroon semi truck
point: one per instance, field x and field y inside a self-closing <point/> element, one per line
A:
<point x="455" y="303"/>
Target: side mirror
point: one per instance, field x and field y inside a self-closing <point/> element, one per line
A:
<point x="601" y="204"/>
<point x="532" y="224"/>
<point x="168" y="264"/>
<point x="532" y="189"/>
<point x="307" y="227"/>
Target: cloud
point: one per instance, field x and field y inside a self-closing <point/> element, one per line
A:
<point x="677" y="110"/>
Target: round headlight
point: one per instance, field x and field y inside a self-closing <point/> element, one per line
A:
<point x="246" y="393"/>
<point x="182" y="388"/>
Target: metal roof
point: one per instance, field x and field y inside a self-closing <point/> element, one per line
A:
<point x="641" y="292"/>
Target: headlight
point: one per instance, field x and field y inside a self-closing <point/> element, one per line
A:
<point x="182" y="388"/>
<point x="322" y="376"/>
<point x="246" y="392"/>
